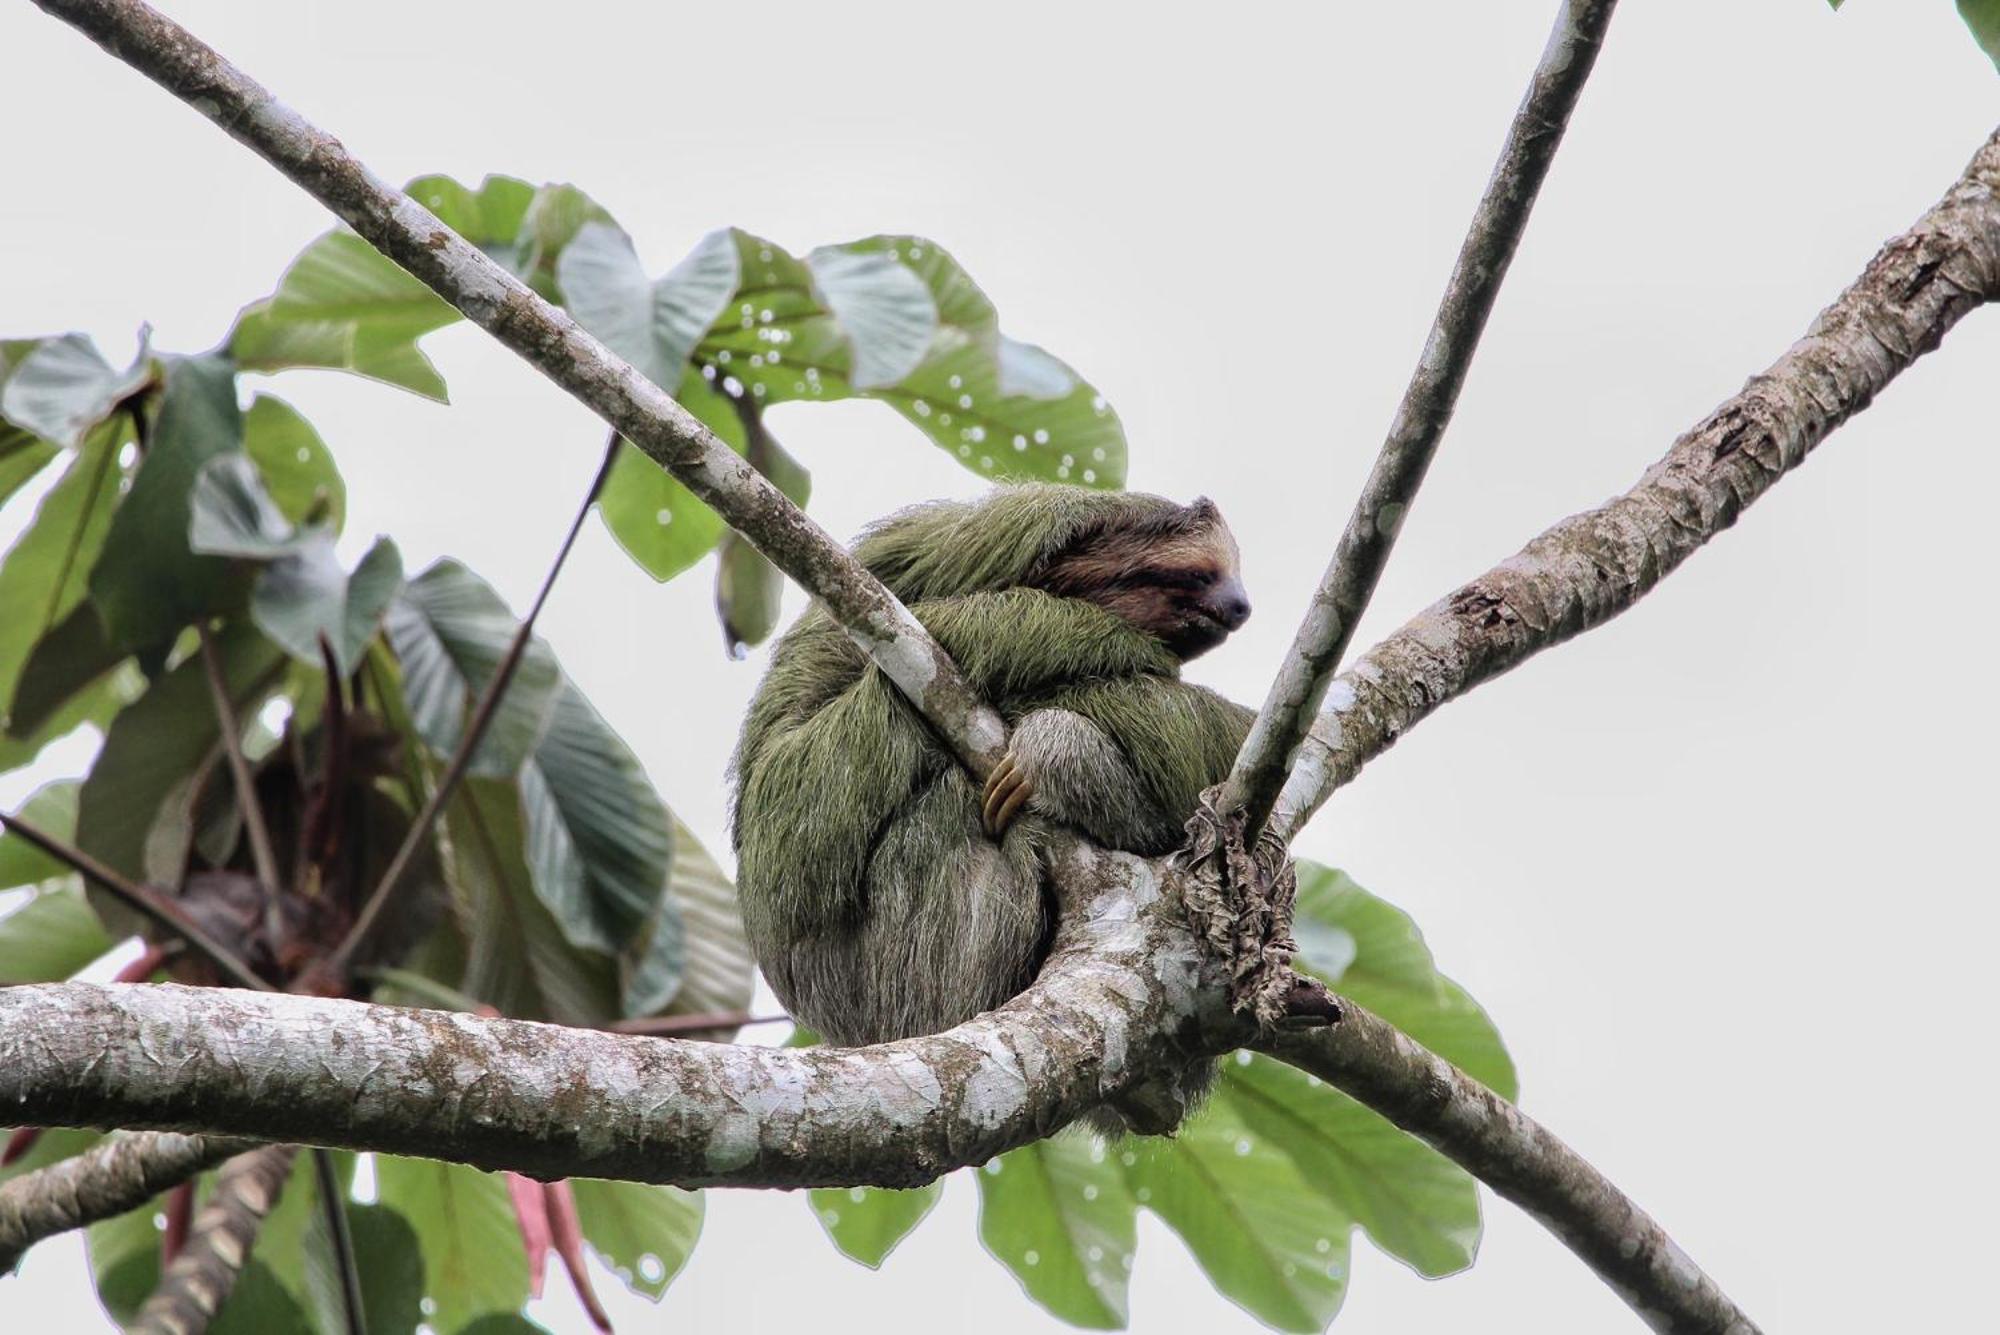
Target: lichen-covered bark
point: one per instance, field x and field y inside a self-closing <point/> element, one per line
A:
<point x="120" y="1174"/>
<point x="1121" y="996"/>
<point x="1593" y="566"/>
<point x="1497" y="1143"/>
<point x="550" y="340"/>
<point x="1421" y="418"/>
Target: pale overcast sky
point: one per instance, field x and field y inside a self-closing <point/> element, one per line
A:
<point x="1719" y="870"/>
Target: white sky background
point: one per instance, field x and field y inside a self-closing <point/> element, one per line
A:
<point x="1718" y="869"/>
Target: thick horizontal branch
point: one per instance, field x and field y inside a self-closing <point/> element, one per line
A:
<point x="1592" y="566"/>
<point x="1425" y="1095"/>
<point x="1127" y="993"/>
<point x="1121" y="995"/>
<point x="107" y="1179"/>
<point x="1420" y="421"/>
<point x="504" y="306"/>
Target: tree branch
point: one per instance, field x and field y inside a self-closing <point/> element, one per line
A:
<point x="140" y="898"/>
<point x="1420" y="421"/>
<point x="1592" y="566"/>
<point x="1127" y="990"/>
<point x="551" y="341"/>
<point x="199" y="1280"/>
<point x="111" y="1177"/>
<point x="1367" y="1057"/>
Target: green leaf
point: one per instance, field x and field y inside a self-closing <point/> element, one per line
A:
<point x="388" y="1255"/>
<point x="655" y="519"/>
<point x="66" y="660"/>
<point x="516" y="957"/>
<point x="644" y="1233"/>
<point x="157" y="741"/>
<point x="554" y="217"/>
<point x="64" y="388"/>
<point x="93" y="703"/>
<point x="22" y="457"/>
<point x="344" y="306"/>
<point x="777" y="338"/>
<point x="502" y="1323"/>
<point x="125" y="1259"/>
<point x="46" y="573"/>
<point x="294" y="462"/>
<point x="258" y="1304"/>
<point x="653" y="325"/>
<point x="884" y="308"/>
<point x="1417" y="1205"/>
<point x="147" y="582"/>
<point x="450" y="631"/>
<point x="1013" y="412"/>
<point x="1057" y="1213"/>
<point x="719" y="973"/>
<point x="489" y="217"/>
<point x="473" y="1263"/>
<point x="51" y="937"/>
<point x="866" y="1223"/>
<point x="600" y="850"/>
<point x="1267" y="1241"/>
<point x="52" y="810"/>
<point x="959" y="301"/>
<point x="598" y="840"/>
<point x="1392" y="974"/>
<point x="1983" y="17"/>
<point x="302" y="594"/>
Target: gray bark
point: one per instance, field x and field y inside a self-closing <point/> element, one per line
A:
<point x="1419" y="425"/>
<point x="1592" y="566"/>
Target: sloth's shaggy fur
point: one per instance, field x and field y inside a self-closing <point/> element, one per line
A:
<point x="876" y="905"/>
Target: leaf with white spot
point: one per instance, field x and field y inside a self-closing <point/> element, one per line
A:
<point x="1058" y="1214"/>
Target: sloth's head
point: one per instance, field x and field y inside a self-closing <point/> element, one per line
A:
<point x="1169" y="570"/>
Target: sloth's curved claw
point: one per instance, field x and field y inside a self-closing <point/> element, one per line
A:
<point x="1007" y="790"/>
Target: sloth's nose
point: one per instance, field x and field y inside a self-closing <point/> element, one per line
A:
<point x="1232" y="604"/>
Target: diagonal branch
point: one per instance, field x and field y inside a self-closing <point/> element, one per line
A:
<point x="1420" y="421"/>
<point x="142" y="899"/>
<point x="199" y="1280"/>
<point x="504" y="306"/>
<point x="1592" y="566"/>
<point x="258" y="832"/>
<point x="109" y="1178"/>
<point x="1370" y="1059"/>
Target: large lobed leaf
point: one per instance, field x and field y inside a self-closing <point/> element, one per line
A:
<point x="596" y="839"/>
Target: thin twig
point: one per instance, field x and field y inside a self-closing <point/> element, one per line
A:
<point x="333" y="1205"/>
<point x="258" y="832"/>
<point x="1371" y="1060"/>
<point x="140" y="898"/>
<point x="497" y="301"/>
<point x="1420" y="421"/>
<point x="468" y="743"/>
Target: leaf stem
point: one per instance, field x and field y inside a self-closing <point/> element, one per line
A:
<point x="461" y="758"/>
<point x="256" y="830"/>
<point x="140" y="898"/>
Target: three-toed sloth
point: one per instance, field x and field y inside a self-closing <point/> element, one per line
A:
<point x="884" y="892"/>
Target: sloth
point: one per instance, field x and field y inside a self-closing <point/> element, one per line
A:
<point x="884" y="891"/>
